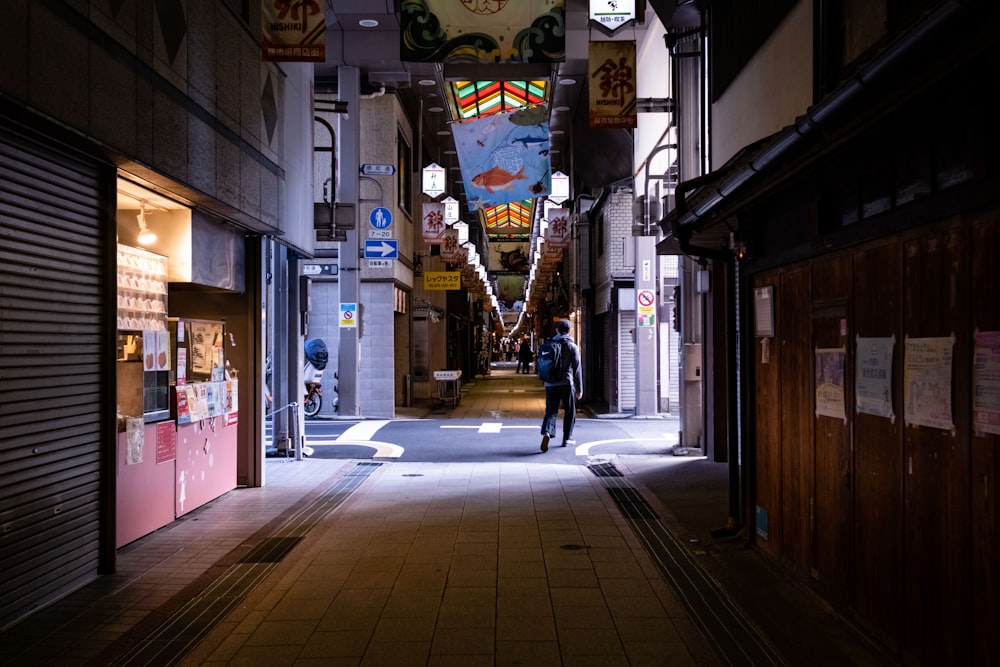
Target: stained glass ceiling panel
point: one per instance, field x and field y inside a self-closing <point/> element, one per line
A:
<point x="474" y="99"/>
<point x="508" y="220"/>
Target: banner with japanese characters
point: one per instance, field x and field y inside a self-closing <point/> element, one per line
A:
<point x="433" y="222"/>
<point x="557" y="233"/>
<point x="612" y="84"/>
<point x="293" y="31"/>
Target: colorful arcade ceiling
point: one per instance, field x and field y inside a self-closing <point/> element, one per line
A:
<point x="476" y="99"/>
<point x="509" y="221"/>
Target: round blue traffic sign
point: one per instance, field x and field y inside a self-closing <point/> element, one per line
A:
<point x="380" y="218"/>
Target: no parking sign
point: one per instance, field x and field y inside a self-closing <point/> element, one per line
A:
<point x="646" y="304"/>
<point x="348" y="315"/>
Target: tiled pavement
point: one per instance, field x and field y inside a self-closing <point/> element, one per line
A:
<point x="370" y="563"/>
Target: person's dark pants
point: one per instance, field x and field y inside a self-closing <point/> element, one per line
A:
<point x="560" y="394"/>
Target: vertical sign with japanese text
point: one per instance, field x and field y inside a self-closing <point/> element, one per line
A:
<point x="612" y="84"/>
<point x="293" y="31"/>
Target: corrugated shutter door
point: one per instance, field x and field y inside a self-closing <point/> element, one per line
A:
<point x="626" y="361"/>
<point x="52" y="337"/>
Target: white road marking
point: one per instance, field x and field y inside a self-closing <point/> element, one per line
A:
<point x="363" y="430"/>
<point x="584" y="449"/>
<point x="487" y="427"/>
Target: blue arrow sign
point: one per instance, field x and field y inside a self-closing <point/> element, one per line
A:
<point x="381" y="249"/>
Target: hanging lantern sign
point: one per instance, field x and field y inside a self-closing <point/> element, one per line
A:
<point x="463" y="232"/>
<point x="433" y="180"/>
<point x="450" y="210"/>
<point x="560" y="187"/>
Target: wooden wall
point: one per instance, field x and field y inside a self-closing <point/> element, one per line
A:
<point x="895" y="525"/>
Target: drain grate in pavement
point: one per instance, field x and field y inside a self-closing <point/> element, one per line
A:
<point x="632" y="505"/>
<point x="736" y="640"/>
<point x="172" y="638"/>
<point x="605" y="470"/>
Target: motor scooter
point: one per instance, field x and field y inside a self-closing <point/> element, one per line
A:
<point x="313" y="401"/>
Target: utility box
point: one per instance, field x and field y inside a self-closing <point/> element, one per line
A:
<point x="692" y="362"/>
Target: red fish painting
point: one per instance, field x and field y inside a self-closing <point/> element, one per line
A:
<point x="497" y="179"/>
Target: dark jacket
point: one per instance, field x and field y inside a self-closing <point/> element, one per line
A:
<point x="574" y="374"/>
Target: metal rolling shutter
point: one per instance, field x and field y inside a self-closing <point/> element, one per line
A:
<point x="52" y="341"/>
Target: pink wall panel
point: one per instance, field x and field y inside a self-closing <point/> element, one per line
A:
<point x="145" y="497"/>
<point x="206" y="462"/>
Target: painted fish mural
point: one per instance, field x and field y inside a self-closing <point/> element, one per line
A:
<point x="497" y="179"/>
<point x="504" y="158"/>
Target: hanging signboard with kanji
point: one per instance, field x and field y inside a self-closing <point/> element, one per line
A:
<point x="433" y="222"/>
<point x="451" y="213"/>
<point x="612" y="85"/>
<point x="433" y="180"/>
<point x="292" y="32"/>
<point x="560" y="187"/>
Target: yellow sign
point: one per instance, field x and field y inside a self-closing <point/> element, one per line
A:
<point x="442" y="280"/>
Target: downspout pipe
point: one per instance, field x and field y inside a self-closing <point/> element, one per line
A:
<point x="881" y="67"/>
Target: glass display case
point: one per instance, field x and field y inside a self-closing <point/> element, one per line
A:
<point x="142" y="290"/>
<point x="143" y="345"/>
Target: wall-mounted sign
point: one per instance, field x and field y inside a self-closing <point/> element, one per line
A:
<point x="433" y="180"/>
<point x="320" y="269"/>
<point x="380" y="218"/>
<point x="381" y="248"/>
<point x="442" y="280"/>
<point x="348" y="315"/>
<point x="378" y="169"/>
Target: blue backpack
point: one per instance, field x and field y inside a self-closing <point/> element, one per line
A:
<point x="554" y="358"/>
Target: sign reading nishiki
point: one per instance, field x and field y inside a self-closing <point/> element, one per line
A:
<point x="292" y="31"/>
<point x="557" y="234"/>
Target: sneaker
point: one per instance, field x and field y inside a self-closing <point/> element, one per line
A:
<point x="545" y="443"/>
<point x="568" y="442"/>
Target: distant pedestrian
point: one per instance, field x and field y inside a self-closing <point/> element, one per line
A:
<point x="524" y="356"/>
<point x="565" y="391"/>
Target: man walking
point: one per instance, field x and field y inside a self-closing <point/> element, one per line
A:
<point x="524" y="356"/>
<point x="566" y="390"/>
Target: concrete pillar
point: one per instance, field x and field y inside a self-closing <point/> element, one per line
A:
<point x="646" y="400"/>
<point x="349" y="164"/>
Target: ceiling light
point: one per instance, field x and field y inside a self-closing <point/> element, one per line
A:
<point x="450" y="152"/>
<point x="444" y="133"/>
<point x="556" y="132"/>
<point x="567" y="82"/>
<point x="146" y="235"/>
<point x="562" y="108"/>
<point x="435" y="109"/>
<point x="427" y="82"/>
<point x="368" y="23"/>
